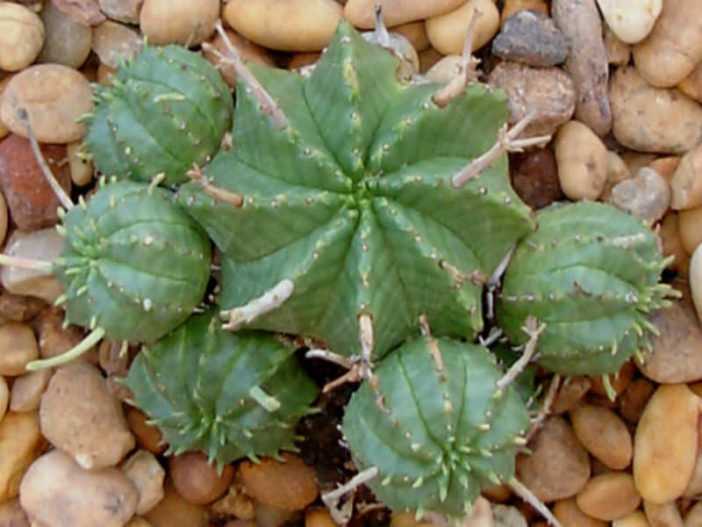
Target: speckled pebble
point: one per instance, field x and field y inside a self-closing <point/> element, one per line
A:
<point x="530" y="37"/>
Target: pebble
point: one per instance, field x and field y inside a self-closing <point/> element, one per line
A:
<point x="407" y="519"/>
<point x="547" y="92"/>
<point x="447" y="32"/>
<point x="649" y="119"/>
<point x="81" y="169"/>
<point x="236" y="503"/>
<point x="672" y="244"/>
<point x="44" y="245"/>
<point x="178" y="21"/>
<point x="694" y="486"/>
<point x="428" y="58"/>
<point x="94" y="432"/>
<point x="198" y="480"/>
<point x="534" y="177"/>
<point x="54" y="97"/>
<point x="56" y="491"/>
<point x="569" y="514"/>
<point x="618" y="52"/>
<point x="558" y="466"/>
<point x="618" y="381"/>
<point x="609" y="496"/>
<point x="677" y="351"/>
<point x="531" y="37"/>
<point x="174" y="511"/>
<point x="27" y="390"/>
<point x="630" y="20"/>
<point x="126" y="11"/>
<point x="617" y="171"/>
<point x="693" y="518"/>
<point x="645" y="196"/>
<point x="635" y="519"/>
<point x="289" y="485"/>
<point x="663" y="515"/>
<point x="360" y="12"/>
<point x="21" y="36"/>
<point x="692" y="84"/>
<point x="686" y="183"/>
<point x="666" y="166"/>
<point x="4" y="130"/>
<point x="316" y="517"/>
<point x="20" y="444"/>
<point x="147" y="436"/>
<point x="54" y="339"/>
<point x="582" y="161"/>
<point x="31" y="201"/>
<point x="665" y="443"/>
<point x="632" y="402"/>
<point x="267" y="516"/>
<point x="572" y="390"/>
<point x="673" y="47"/>
<point x="603" y="434"/>
<point x="19" y="308"/>
<point x="147" y="475"/>
<point x="248" y="51"/>
<point x="415" y="32"/>
<point x="4" y="397"/>
<point x="696" y="287"/>
<point x="18" y="346"/>
<point x="587" y="62"/>
<point x="511" y="7"/>
<point x="12" y="515"/>
<point x="67" y="42"/>
<point x="507" y="516"/>
<point x="86" y="12"/>
<point x="287" y="25"/>
<point x="136" y="521"/>
<point x="113" y="41"/>
<point x="690" y="228"/>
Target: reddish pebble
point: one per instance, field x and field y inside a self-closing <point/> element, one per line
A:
<point x="197" y="480"/>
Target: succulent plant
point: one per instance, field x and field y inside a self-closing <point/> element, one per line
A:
<point x="352" y="207"/>
<point x="167" y="109"/>
<point x="229" y="395"/>
<point x="591" y="274"/>
<point x="438" y="426"/>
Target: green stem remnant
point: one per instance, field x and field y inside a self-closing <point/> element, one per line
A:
<point x="84" y="345"/>
<point x="25" y="263"/>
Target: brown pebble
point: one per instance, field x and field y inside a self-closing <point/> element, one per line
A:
<point x="147" y="436"/>
<point x="510" y="7"/>
<point x="289" y="485"/>
<point x="18" y="347"/>
<point x="316" y="517"/>
<point x="236" y="502"/>
<point x="197" y="480"/>
<point x="570" y="393"/>
<point x="54" y="339"/>
<point x="693" y="518"/>
<point x="609" y="496"/>
<point x="634" y="399"/>
<point x="603" y="434"/>
<point x="662" y="515"/>
<point x="530" y="37"/>
<point x="174" y="511"/>
<point x="19" y="308"/>
<point x="86" y="12"/>
<point x="619" y="380"/>
<point x="569" y="514"/>
<point x="672" y="244"/>
<point x="27" y="390"/>
<point x="534" y="176"/>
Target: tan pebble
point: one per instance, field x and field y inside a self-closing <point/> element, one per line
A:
<point x="631" y="20"/>
<point x="497" y="493"/>
<point x="609" y="496"/>
<point x="663" y="515"/>
<point x="4" y="219"/>
<point x="20" y="444"/>
<point x="147" y="475"/>
<point x="649" y="119"/>
<point x="637" y="160"/>
<point x="45" y="245"/>
<point x="267" y="516"/>
<point x="126" y="11"/>
<point x="4" y="130"/>
<point x="21" y="36"/>
<point x="481" y="516"/>
<point x="285" y="25"/>
<point x="558" y="466"/>
<point x="618" y="381"/>
<point x="415" y="32"/>
<point x="603" y="434"/>
<point x="111" y="359"/>
<point x="632" y="402"/>
<point x="686" y="184"/>
<point x="81" y="167"/>
<point x="617" y="171"/>
<point x="665" y="444"/>
<point x="361" y="14"/>
<point x="18" y="347"/>
<point x="301" y="61"/>
<point x="53" y="96"/>
<point x="147" y="436"/>
<point x="665" y="166"/>
<point x="693" y="518"/>
<point x="447" y="32"/>
<point x="289" y="485"/>
<point x="507" y="516"/>
<point x="12" y="515"/>
<point x="690" y="228"/>
<point x="57" y="492"/>
<point x="407" y="519"/>
<point x="445" y="69"/>
<point x="673" y="48"/>
<point x="67" y="42"/>
<point x="248" y="51"/>
<point x="19" y="308"/>
<point x="86" y="12"/>
<point x="27" y="390"/>
<point x="618" y="52"/>
<point x="428" y="58"/>
<point x="105" y="75"/>
<point x="692" y="84"/>
<point x="174" y="511"/>
<point x="316" y="517"/>
<point x="114" y="42"/>
<point x="696" y="280"/>
<point x="4" y="397"/>
<point x="509" y="7"/>
<point x="635" y="519"/>
<point x="138" y="522"/>
<point x="645" y="196"/>
<point x="570" y="393"/>
<point x="567" y="512"/>
<point x="94" y="432"/>
<point x="582" y="161"/>
<point x="694" y="486"/>
<point x="235" y="503"/>
<point x="198" y="480"/>
<point x="178" y="21"/>
<point x="55" y="339"/>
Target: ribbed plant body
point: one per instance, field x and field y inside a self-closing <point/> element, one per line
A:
<point x="135" y="263"/>
<point x="439" y="430"/>
<point x="167" y="109"/>
<point x="591" y="274"/>
<point x="352" y="201"/>
<point x="228" y="395"/>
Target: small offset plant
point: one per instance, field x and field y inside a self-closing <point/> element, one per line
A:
<point x="366" y="215"/>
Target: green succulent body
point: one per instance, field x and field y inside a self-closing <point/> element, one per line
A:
<point x="438" y="432"/>
<point x="229" y="395"/>
<point x="591" y="274"/>
<point x="135" y="264"/>
<point x="166" y="110"/>
<point x="352" y="201"/>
